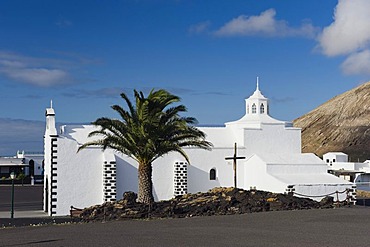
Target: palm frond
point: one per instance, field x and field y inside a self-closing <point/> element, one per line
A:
<point x="149" y="129"/>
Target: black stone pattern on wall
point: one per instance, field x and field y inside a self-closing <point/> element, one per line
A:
<point x="109" y="181"/>
<point x="180" y="178"/>
<point x="54" y="176"/>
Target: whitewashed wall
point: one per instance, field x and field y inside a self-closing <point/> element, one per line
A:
<point x="47" y="172"/>
<point x="333" y="157"/>
<point x="127" y="174"/>
<point x="256" y="176"/>
<point x="202" y="162"/>
<point x="272" y="139"/>
<point x="80" y="176"/>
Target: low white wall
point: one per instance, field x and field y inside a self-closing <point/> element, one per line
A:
<point x="319" y="191"/>
<point x="342" y="165"/>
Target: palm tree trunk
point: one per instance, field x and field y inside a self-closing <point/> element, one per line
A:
<point x="145" y="194"/>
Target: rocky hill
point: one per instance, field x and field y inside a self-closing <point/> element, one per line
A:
<point x="340" y="124"/>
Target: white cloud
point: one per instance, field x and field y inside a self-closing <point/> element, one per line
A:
<point x="357" y="63"/>
<point x="349" y="35"/>
<point x="200" y="27"/>
<point x="35" y="71"/>
<point x="264" y="24"/>
<point x="36" y="76"/>
<point x="350" y="30"/>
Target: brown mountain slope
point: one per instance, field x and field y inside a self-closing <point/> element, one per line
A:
<point x="340" y="124"/>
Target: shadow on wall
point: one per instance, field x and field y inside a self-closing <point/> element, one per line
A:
<point x="126" y="177"/>
<point x="199" y="180"/>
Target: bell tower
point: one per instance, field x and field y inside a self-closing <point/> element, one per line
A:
<point x="257" y="104"/>
<point x="50" y="162"/>
<point x="50" y="121"/>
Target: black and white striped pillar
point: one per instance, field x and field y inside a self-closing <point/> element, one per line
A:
<point x="54" y="176"/>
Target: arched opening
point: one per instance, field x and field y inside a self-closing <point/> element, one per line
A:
<point x="254" y="108"/>
<point x="262" y="109"/>
<point x="212" y="174"/>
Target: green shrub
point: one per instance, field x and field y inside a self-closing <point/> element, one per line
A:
<point x="21" y="176"/>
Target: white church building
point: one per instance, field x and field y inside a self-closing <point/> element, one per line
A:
<point x="273" y="162"/>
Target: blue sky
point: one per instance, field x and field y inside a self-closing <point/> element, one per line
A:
<point x="83" y="54"/>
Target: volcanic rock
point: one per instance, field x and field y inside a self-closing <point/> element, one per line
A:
<point x="218" y="201"/>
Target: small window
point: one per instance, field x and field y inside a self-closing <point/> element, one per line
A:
<point x="262" y="109"/>
<point x="327" y="160"/>
<point x="254" y="110"/>
<point x="333" y="160"/>
<point x="212" y="174"/>
<point x="247" y="109"/>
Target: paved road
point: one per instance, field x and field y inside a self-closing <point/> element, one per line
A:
<point x="27" y="197"/>
<point x="325" y="227"/>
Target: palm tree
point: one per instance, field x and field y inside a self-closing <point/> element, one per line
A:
<point x="148" y="130"/>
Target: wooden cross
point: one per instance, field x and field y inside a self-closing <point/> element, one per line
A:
<point x="234" y="158"/>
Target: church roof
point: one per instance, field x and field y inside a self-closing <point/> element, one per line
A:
<point x="336" y="153"/>
<point x="303" y="179"/>
<point x="219" y="136"/>
<point x="301" y="165"/>
<point x="79" y="133"/>
<point x="252" y="119"/>
<point x="257" y="93"/>
<point x="255" y="119"/>
<point x="11" y="161"/>
<point x="290" y="159"/>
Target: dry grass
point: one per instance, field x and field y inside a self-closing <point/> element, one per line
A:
<point x="363" y="194"/>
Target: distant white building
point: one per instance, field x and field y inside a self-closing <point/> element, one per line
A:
<point x="333" y="157"/>
<point x="34" y="160"/>
<point x="28" y="163"/>
<point x="355" y="172"/>
<point x="273" y="162"/>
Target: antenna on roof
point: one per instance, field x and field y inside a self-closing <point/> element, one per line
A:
<point x="257" y="85"/>
<point x="51" y="103"/>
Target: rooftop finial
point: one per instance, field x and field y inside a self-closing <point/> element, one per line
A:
<point x="51" y="103"/>
<point x="257" y="85"/>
